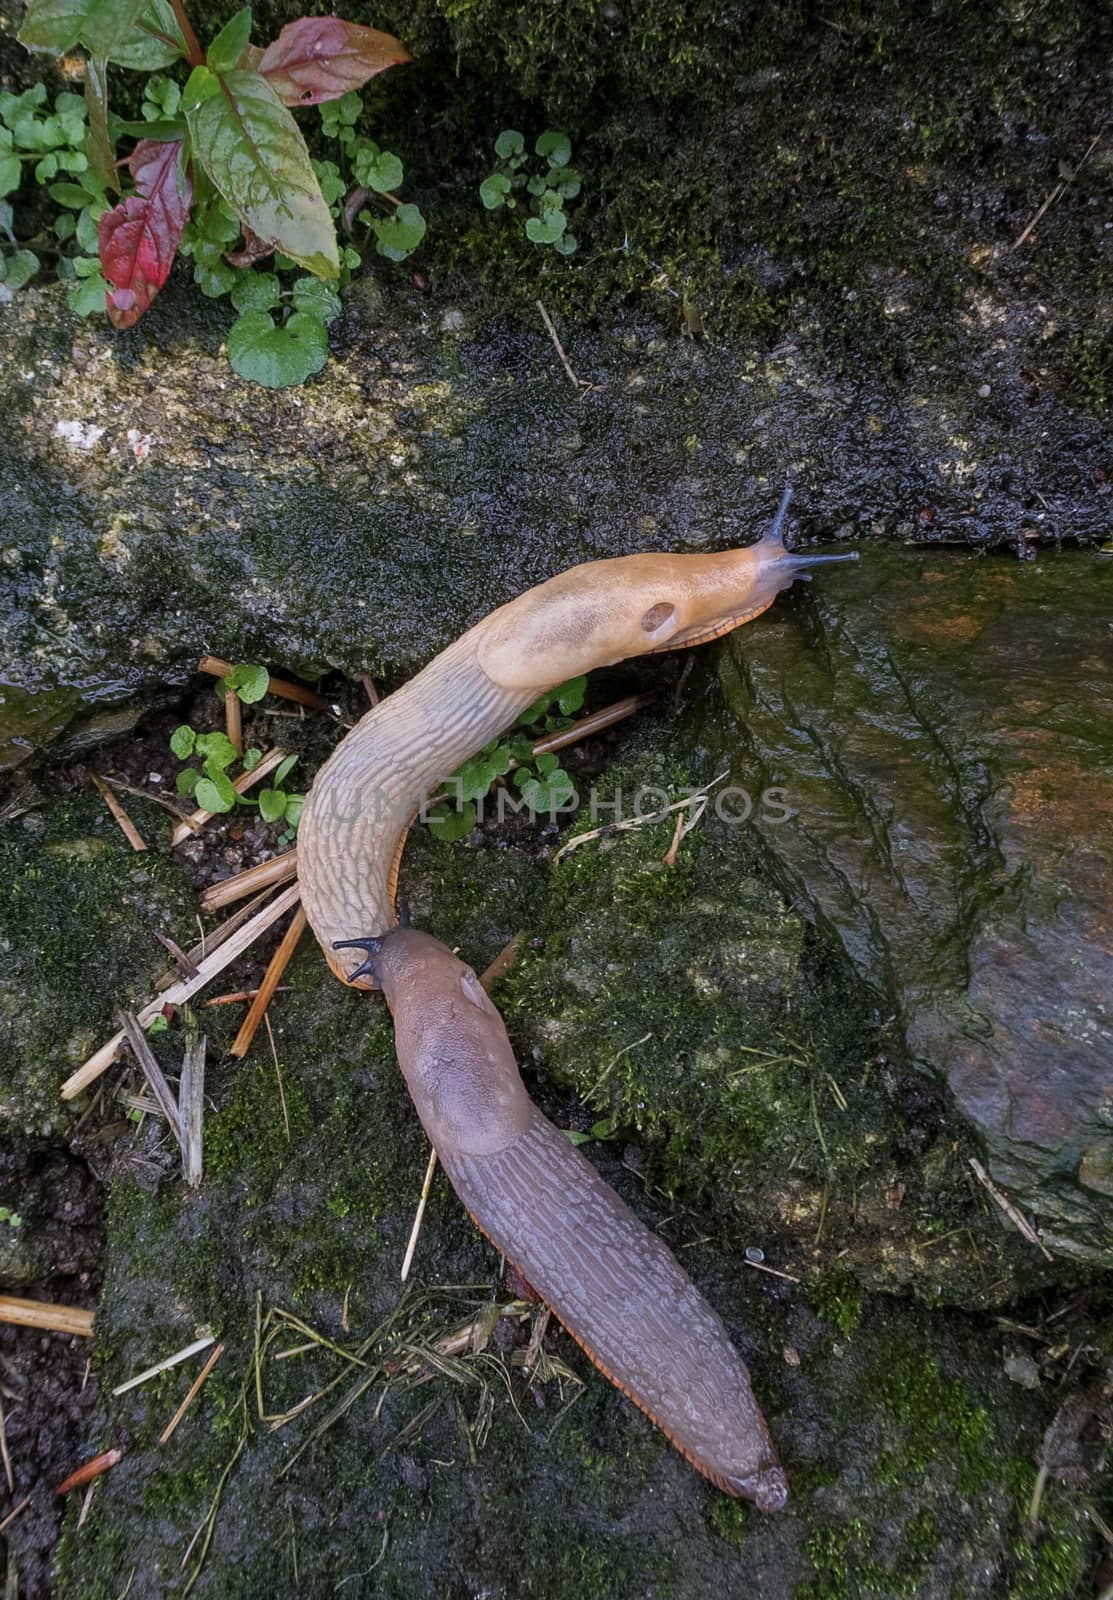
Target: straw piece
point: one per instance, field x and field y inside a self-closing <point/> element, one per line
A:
<point x="192" y="1395"/>
<point x="191" y="1102"/>
<point x="232" y="947"/>
<point x="92" y="1469"/>
<point x="277" y="870"/>
<point x="164" y="1366"/>
<point x="127" y="827"/>
<point x="279" y="962"/>
<point x="153" y="1073"/>
<point x="212" y="941"/>
<point x="45" y="1314"/>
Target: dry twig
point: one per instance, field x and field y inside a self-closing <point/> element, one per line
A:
<point x="45" y="1314"/>
<point x="278" y="964"/>
<point x="194" y="1390"/>
<point x="216" y="668"/>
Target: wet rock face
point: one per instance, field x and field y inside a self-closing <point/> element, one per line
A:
<point x="942" y="726"/>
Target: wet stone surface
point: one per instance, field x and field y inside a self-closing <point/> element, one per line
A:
<point x="941" y="724"/>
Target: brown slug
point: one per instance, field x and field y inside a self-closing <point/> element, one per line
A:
<point x="613" y="1284"/>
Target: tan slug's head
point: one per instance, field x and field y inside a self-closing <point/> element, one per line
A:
<point x="606" y="611"/>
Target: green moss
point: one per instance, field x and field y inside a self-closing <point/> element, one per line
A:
<point x="838" y="1299"/>
<point x="78" y="909"/>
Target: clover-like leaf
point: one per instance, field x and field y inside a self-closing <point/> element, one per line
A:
<point x="547" y="228"/>
<point x="311" y="295"/>
<point x="555" y="147"/>
<point x="182" y="741"/>
<point x="377" y="169"/>
<point x="509" y="143"/>
<point x="256" y="291"/>
<point x="249" y="680"/>
<point x="218" y="750"/>
<point x="495" y="190"/>
<point x="272" y="805"/>
<point x="88" y="296"/>
<point x="187" y="780"/>
<point x="277" y="357"/>
<point x="399" y="235"/>
<point x="448" y="825"/>
<point x="214" y="792"/>
<point x="17" y="270"/>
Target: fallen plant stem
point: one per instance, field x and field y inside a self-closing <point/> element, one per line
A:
<point x="15" y="1512"/>
<point x="220" y="958"/>
<point x="92" y="1469"/>
<point x="153" y="1073"/>
<point x="577" y="383"/>
<point x="242" y="995"/>
<point x="127" y="827"/>
<point x="1018" y="1220"/>
<point x="194" y="1390"/>
<point x="699" y="798"/>
<point x="45" y="1314"/>
<point x="279" y="869"/>
<point x="164" y="1366"/>
<point x="233" y="721"/>
<point x="407" y="1260"/>
<point x="278" y="964"/>
<point x="213" y="941"/>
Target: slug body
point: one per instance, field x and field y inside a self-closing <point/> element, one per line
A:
<point x="365" y="796"/>
<point x="614" y="1285"/>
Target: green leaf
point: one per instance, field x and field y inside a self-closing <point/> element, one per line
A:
<point x="157" y="1024"/>
<point x="377" y="169"/>
<point x="272" y="805"/>
<point x="493" y="191"/>
<point x="570" y="696"/>
<point x="255" y="291"/>
<point x="284" y="770"/>
<point x="555" y="147"/>
<point x="182" y="741"/>
<point x="187" y="780"/>
<point x="547" y="763"/>
<point x="18" y="269"/>
<point x="109" y="25"/>
<point x="218" y="750"/>
<point x="53" y="25"/>
<point x="313" y="296"/>
<point x="546" y="229"/>
<point x="251" y="148"/>
<point x="479" y="772"/>
<point x="143" y="52"/>
<point x="509" y="143"/>
<point x="252" y="758"/>
<point x="566" y="244"/>
<point x="89" y="297"/>
<point x="277" y="357"/>
<point x="201" y="86"/>
<point x="549" y="793"/>
<point x="448" y="826"/>
<point x="567" y="183"/>
<point x="399" y="236"/>
<point x="11" y="172"/>
<point x="249" y="680"/>
<point x="332" y="183"/>
<point x="576" y="1137"/>
<point x="69" y="194"/>
<point x="215" y="793"/>
<point x="229" y="44"/>
<point x="294" y="804"/>
<point x="64" y="226"/>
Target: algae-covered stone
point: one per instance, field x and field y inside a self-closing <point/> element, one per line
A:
<point x="79" y="910"/>
<point x="310" y="1464"/>
<point x="941" y="725"/>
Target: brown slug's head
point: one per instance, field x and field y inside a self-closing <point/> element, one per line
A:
<point x="608" y="611"/>
<point x="390" y="956"/>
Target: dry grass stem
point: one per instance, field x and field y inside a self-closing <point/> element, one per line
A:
<point x="233" y="945"/>
<point x="282" y="687"/>
<point x="278" y="964"/>
<point x="127" y="826"/>
<point x="45" y="1314"/>
<point x="164" y="1366"/>
<point x="194" y="1390"/>
<point x="279" y="869"/>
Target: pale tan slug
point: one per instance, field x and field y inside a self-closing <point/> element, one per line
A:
<point x="615" y="1285"/>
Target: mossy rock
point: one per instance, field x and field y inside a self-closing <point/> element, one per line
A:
<point x="79" y="910"/>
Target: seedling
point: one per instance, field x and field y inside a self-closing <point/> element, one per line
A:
<point x="548" y="183"/>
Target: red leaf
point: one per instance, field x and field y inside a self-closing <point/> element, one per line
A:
<point x="321" y="58"/>
<point x="139" y="238"/>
